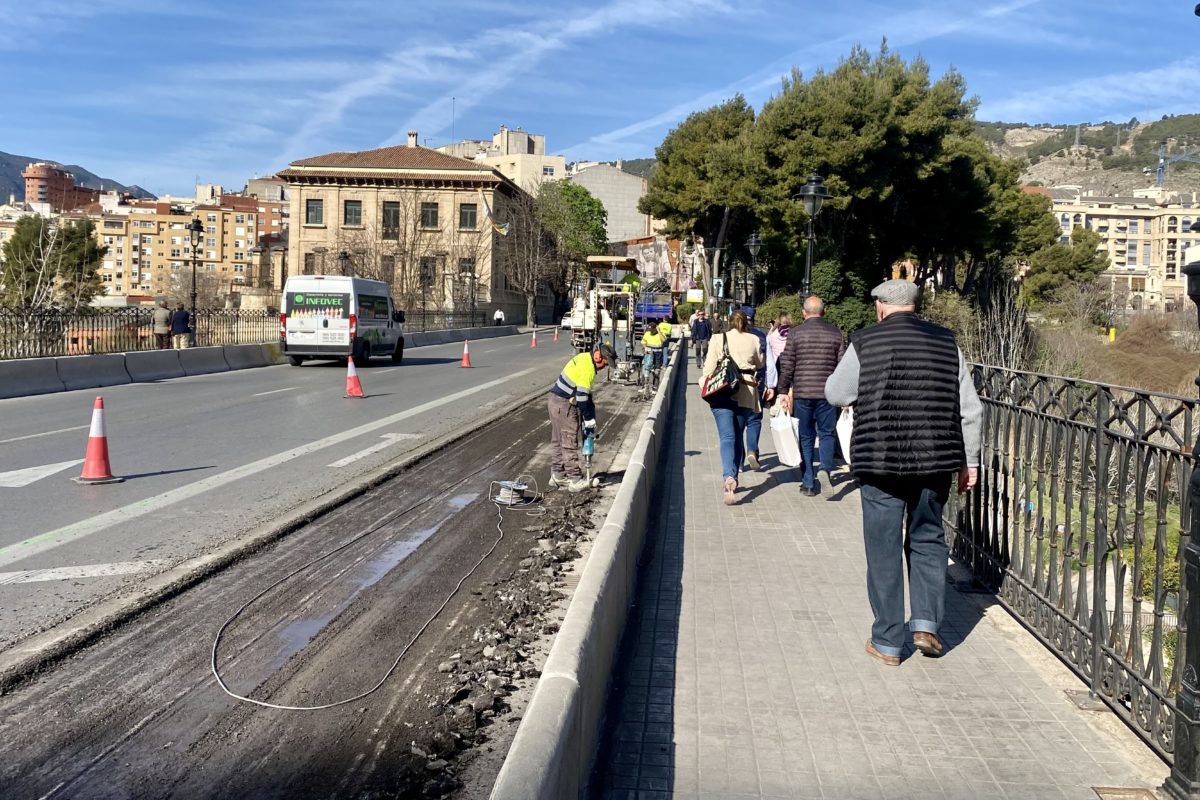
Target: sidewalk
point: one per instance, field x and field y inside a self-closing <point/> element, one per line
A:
<point x="743" y="673"/>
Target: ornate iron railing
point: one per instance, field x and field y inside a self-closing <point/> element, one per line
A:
<point x="1078" y="525"/>
<point x="37" y="333"/>
<point x="439" y="320"/>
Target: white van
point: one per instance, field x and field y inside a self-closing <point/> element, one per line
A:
<point x="334" y="316"/>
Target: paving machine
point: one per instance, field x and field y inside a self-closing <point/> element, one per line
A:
<point x="604" y="311"/>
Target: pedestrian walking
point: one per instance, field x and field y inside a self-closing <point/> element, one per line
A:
<point x="162" y="325"/>
<point x="777" y="336"/>
<point x="754" y="423"/>
<point x="917" y="422"/>
<point x="181" y="328"/>
<point x="571" y="409"/>
<point x="701" y="334"/>
<point x="498" y="317"/>
<point x="732" y="411"/>
<point x="813" y="350"/>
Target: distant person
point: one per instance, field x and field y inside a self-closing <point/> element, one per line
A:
<point x="181" y="328"/>
<point x="498" y="317"/>
<point x="917" y="422"/>
<point x="776" y="340"/>
<point x="162" y="325"/>
<point x="732" y="412"/>
<point x="813" y="351"/>
<point x="701" y="334"/>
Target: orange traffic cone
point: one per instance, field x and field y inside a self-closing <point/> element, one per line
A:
<point x="533" y="341"/>
<point x="556" y="334"/>
<point x="95" y="462"/>
<point x="353" y="385"/>
<point x="466" y="359"/>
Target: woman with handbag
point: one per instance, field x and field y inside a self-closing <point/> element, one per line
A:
<point x="730" y="388"/>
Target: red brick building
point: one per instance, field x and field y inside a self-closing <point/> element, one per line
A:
<point x="50" y="183"/>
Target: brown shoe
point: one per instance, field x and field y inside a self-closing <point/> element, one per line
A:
<point x="891" y="661"/>
<point x="928" y="643"/>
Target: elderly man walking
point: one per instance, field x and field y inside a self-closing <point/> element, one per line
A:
<point x="813" y="350"/>
<point x="917" y="423"/>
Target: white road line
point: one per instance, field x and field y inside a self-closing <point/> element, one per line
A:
<point x="45" y="433"/>
<point x="389" y="440"/>
<point x="74" y="573"/>
<point x="275" y="391"/>
<point x="383" y="371"/>
<point x="18" y="478"/>
<point x="118" y="516"/>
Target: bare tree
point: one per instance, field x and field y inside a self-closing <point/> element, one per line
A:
<point x="528" y="250"/>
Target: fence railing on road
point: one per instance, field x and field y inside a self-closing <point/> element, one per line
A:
<point x="439" y="320"/>
<point x="38" y="333"/>
<point x="1078" y="524"/>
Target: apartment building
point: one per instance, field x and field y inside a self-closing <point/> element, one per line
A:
<point x="409" y="215"/>
<point x="619" y="192"/>
<point x="53" y="185"/>
<point x="517" y="155"/>
<point x="1146" y="238"/>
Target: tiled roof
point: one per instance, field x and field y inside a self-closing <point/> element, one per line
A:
<point x="396" y="157"/>
<point x="479" y="177"/>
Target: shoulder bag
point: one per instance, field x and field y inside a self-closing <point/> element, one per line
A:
<point x="724" y="378"/>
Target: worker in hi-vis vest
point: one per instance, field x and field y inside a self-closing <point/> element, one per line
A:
<point x="653" y="343"/>
<point x="570" y="405"/>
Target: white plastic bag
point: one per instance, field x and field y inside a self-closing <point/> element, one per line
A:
<point x="785" y="431"/>
<point x="845" y="427"/>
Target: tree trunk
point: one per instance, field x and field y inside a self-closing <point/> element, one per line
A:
<point x="530" y="319"/>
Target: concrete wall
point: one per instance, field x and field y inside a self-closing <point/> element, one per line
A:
<point x="551" y="756"/>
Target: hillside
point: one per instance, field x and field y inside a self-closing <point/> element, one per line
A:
<point x="1112" y="158"/>
<point x="11" y="182"/>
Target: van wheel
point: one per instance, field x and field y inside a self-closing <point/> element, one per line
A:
<point x="361" y="352"/>
<point x="398" y="353"/>
<point x="295" y="361"/>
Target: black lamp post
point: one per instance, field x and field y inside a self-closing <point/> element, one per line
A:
<point x="753" y="244"/>
<point x="813" y="194"/>
<point x="344" y="261"/>
<point x="196" y="232"/>
<point x="1184" y="780"/>
<point x="467" y="273"/>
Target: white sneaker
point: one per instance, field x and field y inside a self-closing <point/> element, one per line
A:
<point x="559" y="481"/>
<point x="578" y="485"/>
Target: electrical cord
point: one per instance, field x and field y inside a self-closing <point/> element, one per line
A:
<point x="370" y="530"/>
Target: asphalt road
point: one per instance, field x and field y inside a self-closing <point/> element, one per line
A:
<point x="138" y="713"/>
<point x="208" y="459"/>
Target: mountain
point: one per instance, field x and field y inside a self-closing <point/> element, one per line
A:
<point x="639" y="166"/>
<point x="11" y="182"/>
<point x="1107" y="157"/>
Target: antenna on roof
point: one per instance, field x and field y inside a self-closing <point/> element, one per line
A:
<point x="452" y="109"/>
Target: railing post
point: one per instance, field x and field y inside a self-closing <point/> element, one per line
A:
<point x="1184" y="780"/>
<point x="1099" y="540"/>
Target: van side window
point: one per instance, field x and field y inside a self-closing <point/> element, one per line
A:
<point x="372" y="307"/>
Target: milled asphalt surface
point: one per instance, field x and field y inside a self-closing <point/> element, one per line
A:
<point x="184" y="438"/>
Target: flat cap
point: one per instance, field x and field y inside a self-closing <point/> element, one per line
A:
<point x="897" y="293"/>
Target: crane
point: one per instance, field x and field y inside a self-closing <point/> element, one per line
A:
<point x="1160" y="173"/>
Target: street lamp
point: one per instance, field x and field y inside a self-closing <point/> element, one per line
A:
<point x="1184" y="780"/>
<point x="196" y="232"/>
<point x="343" y="261"/>
<point x="813" y="194"/>
<point x="466" y="271"/>
<point x="753" y="244"/>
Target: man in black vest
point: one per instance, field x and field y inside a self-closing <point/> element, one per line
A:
<point x="917" y="423"/>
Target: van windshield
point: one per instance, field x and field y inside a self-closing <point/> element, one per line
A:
<point x="321" y="305"/>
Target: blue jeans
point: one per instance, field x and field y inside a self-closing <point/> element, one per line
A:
<point x="731" y="427"/>
<point x="817" y="418"/>
<point x="753" y="432"/>
<point x="888" y="503"/>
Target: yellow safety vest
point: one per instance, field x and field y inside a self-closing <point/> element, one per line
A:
<point x="665" y="329"/>
<point x="575" y="383"/>
<point x="652" y="338"/>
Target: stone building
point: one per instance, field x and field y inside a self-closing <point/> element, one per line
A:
<point x="619" y="192"/>
<point x="51" y="184"/>
<point x="517" y="155"/>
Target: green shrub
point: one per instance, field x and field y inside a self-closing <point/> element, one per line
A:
<point x="777" y="304"/>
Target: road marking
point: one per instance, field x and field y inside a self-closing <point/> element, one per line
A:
<point x="118" y="516"/>
<point x="275" y="391"/>
<point x="45" y="433"/>
<point x="74" y="573"/>
<point x="389" y="440"/>
<point x="23" y="477"/>
<point x="383" y="371"/>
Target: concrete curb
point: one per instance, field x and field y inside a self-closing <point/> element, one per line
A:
<point x="92" y="372"/>
<point x="551" y="755"/>
<point x="203" y="360"/>
<point x="244" y="356"/>
<point x="153" y="365"/>
<point x="40" y="374"/>
<point x="35" y="653"/>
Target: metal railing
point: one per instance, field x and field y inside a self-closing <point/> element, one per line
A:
<point x="1079" y="523"/>
<point x="39" y="333"/>
<point x="439" y="320"/>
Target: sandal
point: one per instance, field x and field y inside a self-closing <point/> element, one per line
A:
<point x="730" y="488"/>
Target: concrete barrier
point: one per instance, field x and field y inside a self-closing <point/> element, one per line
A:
<point x="29" y="376"/>
<point x="273" y="353"/>
<point x="245" y="356"/>
<point x="153" y="365"/>
<point x="203" y="360"/>
<point x="415" y="340"/>
<point x="92" y="372"/>
<point x="551" y="756"/>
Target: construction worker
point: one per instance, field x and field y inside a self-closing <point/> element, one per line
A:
<point x="570" y="400"/>
<point x="654" y="344"/>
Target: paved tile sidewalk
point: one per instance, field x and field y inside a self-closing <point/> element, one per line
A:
<point x="744" y="675"/>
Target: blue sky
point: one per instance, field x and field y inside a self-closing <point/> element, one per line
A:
<point x="163" y="93"/>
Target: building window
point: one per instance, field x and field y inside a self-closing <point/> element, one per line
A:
<point x="211" y="229"/>
<point x="548" y="171"/>
<point x="240" y="219"/>
<point x="468" y="215"/>
<point x="429" y="215"/>
<point x="310" y="263"/>
<point x="466" y="266"/>
<point x="352" y="212"/>
<point x="428" y="269"/>
<point x="391" y="220"/>
<point x="1133" y="226"/>
<point x="314" y="212"/>
<point x="1146" y="253"/>
<point x="388" y="265"/>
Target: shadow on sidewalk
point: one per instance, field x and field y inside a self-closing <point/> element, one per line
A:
<point x="637" y="751"/>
